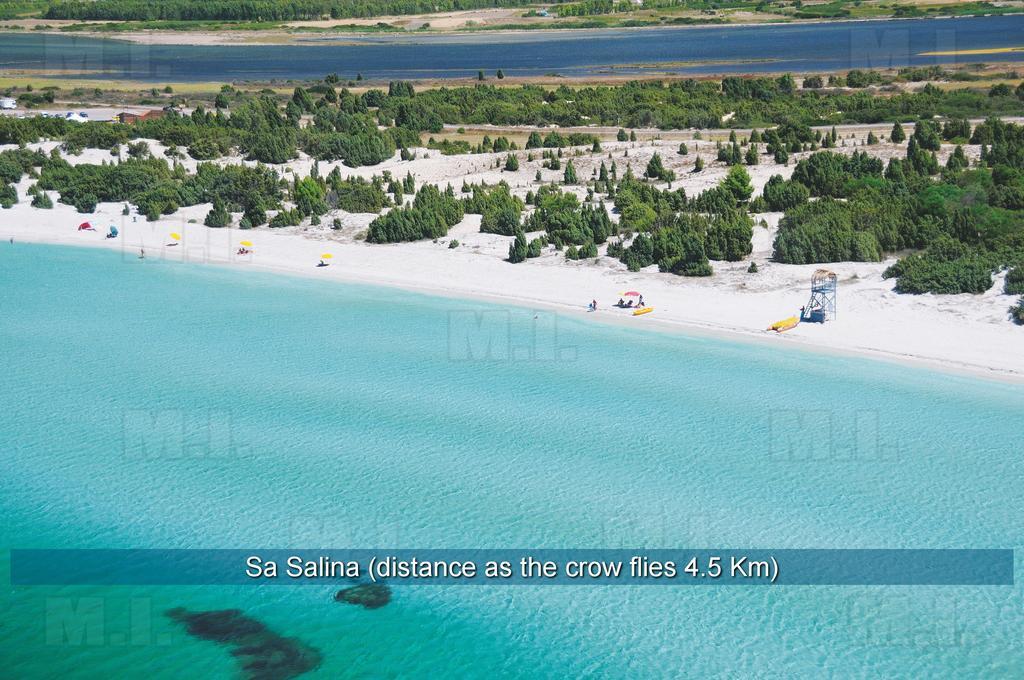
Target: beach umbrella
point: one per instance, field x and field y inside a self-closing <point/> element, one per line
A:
<point x="326" y="256"/>
<point x="631" y="293"/>
<point x="247" y="244"/>
<point x="176" y="236"/>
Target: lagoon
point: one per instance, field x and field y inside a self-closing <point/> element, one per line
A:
<point x="582" y="53"/>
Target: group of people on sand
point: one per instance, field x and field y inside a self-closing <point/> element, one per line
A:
<point x="623" y="304"/>
<point x="244" y="251"/>
<point x="628" y="304"/>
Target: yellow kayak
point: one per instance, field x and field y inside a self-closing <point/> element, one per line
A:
<point x="784" y="325"/>
<point x="642" y="310"/>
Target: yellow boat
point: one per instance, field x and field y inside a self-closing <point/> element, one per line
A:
<point x="784" y="325"/>
<point x="642" y="310"/>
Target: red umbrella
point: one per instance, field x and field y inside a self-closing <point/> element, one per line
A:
<point x="631" y="293"/>
<point x="83" y="226"/>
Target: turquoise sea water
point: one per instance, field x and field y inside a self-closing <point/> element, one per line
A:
<point x="166" y="405"/>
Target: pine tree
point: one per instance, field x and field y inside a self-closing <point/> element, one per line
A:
<point x="897" y="136"/>
<point x="218" y="216"/>
<point x="570" y="173"/>
<point x="511" y="162"/>
<point x="518" y="249"/>
<point x="751" y="156"/>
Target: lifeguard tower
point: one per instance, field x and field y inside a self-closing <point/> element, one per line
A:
<point x="822" y="305"/>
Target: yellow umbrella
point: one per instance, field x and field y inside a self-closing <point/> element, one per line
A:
<point x="326" y="256"/>
<point x="247" y="244"/>
<point x="176" y="236"/>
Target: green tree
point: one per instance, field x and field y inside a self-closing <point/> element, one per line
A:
<point x="737" y="183"/>
<point x="751" y="157"/>
<point x="897" y="136"/>
<point x="569" y="177"/>
<point x="518" y="249"/>
<point x="218" y="216"/>
<point x="657" y="170"/>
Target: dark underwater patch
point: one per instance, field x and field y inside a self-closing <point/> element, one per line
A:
<point x="262" y="653"/>
<point x="366" y="595"/>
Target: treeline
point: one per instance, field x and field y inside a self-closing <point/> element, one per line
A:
<point x="277" y="10"/>
<point x="365" y="129"/>
<point x="680" y="104"/>
<point x="966" y="223"/>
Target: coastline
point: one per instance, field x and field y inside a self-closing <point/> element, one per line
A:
<point x="427" y="283"/>
<point x="957" y="333"/>
<point x="288" y="35"/>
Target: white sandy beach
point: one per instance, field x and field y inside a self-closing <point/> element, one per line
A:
<point x="963" y="333"/>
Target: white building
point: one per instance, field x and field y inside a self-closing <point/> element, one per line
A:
<point x="8" y="104"/>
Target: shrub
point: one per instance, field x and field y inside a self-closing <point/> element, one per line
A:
<point x="823" y="231"/>
<point x="1014" y="283"/>
<point x="286" y="218"/>
<point x="534" y="248"/>
<point x="218" y="216"/>
<point x="8" y="196"/>
<point x="781" y="195"/>
<point x="1017" y="312"/>
<point x="518" y="249"/>
<point x="86" y="203"/>
<point x="737" y="183"/>
<point x="657" y="170"/>
<point x="42" y="200"/>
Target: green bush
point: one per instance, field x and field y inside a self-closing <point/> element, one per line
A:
<point x="218" y="216"/>
<point x="781" y="195"/>
<point x="8" y="196"/>
<point x="1017" y="312"/>
<point x="518" y="250"/>
<point x="42" y="200"/>
<point x="1014" y="282"/>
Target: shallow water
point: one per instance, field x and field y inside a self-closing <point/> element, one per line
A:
<point x="153" y="404"/>
<point x="705" y="50"/>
